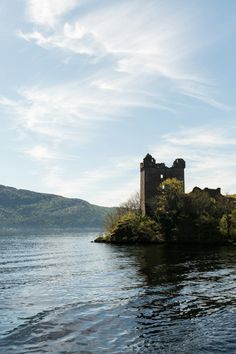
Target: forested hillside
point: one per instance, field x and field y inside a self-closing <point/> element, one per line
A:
<point x="20" y="207"/>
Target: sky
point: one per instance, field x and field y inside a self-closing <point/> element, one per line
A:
<point x="89" y="87"/>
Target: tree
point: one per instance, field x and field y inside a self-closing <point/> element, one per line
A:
<point x="169" y="205"/>
<point x="191" y="217"/>
<point x="228" y="220"/>
<point x="132" y="205"/>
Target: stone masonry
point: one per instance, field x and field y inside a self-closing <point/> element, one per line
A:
<point x="152" y="175"/>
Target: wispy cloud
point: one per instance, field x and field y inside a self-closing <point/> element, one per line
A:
<point x="202" y="92"/>
<point x="158" y="44"/>
<point x="47" y="154"/>
<point x="47" y="12"/>
<point x="40" y="152"/>
<point x="61" y="112"/>
<point x="75" y="39"/>
<point x="4" y="101"/>
<point x="148" y="65"/>
<point x="72" y="110"/>
<point x="94" y="184"/>
<point x="202" y="137"/>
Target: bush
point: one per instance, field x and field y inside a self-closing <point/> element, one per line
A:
<point x="132" y="228"/>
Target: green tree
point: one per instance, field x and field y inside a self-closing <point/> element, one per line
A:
<point x="228" y="220"/>
<point x="169" y="206"/>
<point x="132" y="205"/>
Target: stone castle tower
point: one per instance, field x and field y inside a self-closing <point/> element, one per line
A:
<point x="152" y="175"/>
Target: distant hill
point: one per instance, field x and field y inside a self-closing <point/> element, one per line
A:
<point x="19" y="207"/>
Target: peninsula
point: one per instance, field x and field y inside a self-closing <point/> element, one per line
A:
<point x="165" y="213"/>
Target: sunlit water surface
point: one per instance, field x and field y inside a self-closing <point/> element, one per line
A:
<point x="60" y="293"/>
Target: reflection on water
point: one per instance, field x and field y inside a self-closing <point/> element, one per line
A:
<point x="60" y="293"/>
<point x="188" y="304"/>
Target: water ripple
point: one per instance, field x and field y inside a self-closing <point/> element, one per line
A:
<point x="66" y="295"/>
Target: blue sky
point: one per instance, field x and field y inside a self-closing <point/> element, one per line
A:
<point x="88" y="87"/>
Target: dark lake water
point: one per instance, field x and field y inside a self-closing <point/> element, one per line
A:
<point x="60" y="293"/>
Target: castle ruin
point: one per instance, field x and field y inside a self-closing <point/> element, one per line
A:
<point x="152" y="175"/>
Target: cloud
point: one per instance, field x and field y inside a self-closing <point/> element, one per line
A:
<point x="44" y="153"/>
<point x="95" y="185"/>
<point x="202" y="92"/>
<point x="47" y="12"/>
<point x="201" y="137"/>
<point x="139" y="63"/>
<point x="40" y="153"/>
<point x="73" y="110"/>
<point x="61" y="112"/>
<point x="4" y="101"/>
<point x="75" y="40"/>
<point x="159" y="44"/>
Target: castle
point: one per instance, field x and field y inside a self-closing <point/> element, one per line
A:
<point x="152" y="175"/>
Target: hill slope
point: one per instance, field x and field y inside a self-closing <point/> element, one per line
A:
<point x="19" y="207"/>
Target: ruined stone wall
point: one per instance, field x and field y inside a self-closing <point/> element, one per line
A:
<point x="152" y="175"/>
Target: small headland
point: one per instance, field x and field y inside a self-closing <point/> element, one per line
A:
<point x="199" y="217"/>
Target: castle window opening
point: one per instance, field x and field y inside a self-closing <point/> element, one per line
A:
<point x="161" y="176"/>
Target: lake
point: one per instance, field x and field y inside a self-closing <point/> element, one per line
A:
<point x="61" y="293"/>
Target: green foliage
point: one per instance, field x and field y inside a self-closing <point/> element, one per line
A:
<point x="193" y="217"/>
<point x="26" y="208"/>
<point x="228" y="224"/>
<point x="168" y="205"/>
<point x="114" y="216"/>
<point x="233" y="220"/>
<point x="126" y="225"/>
<point x="132" y="228"/>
